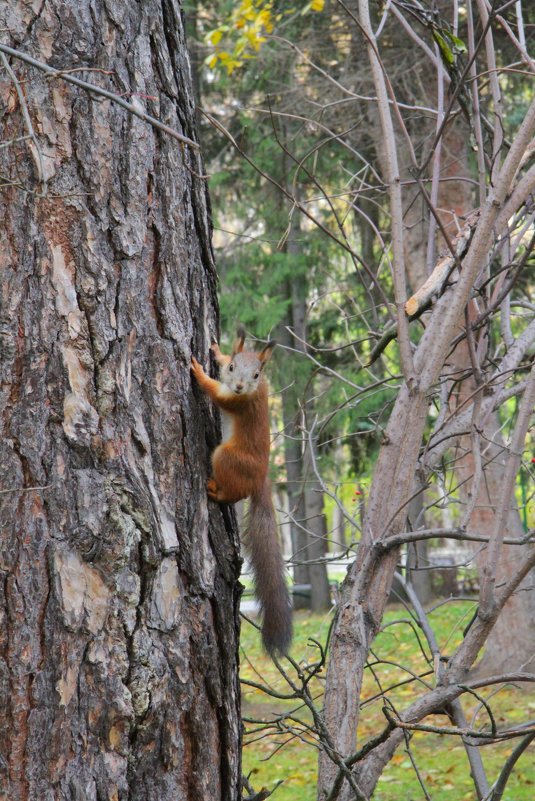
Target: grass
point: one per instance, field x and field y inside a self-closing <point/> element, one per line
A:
<point x="441" y="760"/>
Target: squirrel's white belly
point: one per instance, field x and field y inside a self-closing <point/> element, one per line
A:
<point x="226" y="426"/>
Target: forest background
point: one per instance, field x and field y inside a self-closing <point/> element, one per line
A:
<point x="303" y="227"/>
<point x="371" y="178"/>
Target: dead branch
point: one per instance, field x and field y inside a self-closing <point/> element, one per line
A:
<point x="443" y="269"/>
<point x="136" y="110"/>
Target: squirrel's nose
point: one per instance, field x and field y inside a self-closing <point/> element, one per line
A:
<point x="239" y="387"/>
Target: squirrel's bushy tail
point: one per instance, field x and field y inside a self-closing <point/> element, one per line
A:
<point x="262" y="544"/>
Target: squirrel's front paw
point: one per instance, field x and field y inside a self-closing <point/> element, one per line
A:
<point x="196" y="368"/>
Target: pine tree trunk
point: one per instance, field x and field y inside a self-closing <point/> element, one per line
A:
<point x="118" y="594"/>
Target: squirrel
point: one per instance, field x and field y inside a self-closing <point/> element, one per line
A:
<point x="240" y="470"/>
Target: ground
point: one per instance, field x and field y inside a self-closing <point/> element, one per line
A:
<point x="271" y="755"/>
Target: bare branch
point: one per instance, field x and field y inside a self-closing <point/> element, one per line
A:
<point x="508" y="767"/>
<point x="136" y="110"/>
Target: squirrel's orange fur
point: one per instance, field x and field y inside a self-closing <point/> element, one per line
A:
<point x="240" y="470"/>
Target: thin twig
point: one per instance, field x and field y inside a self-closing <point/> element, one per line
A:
<point x="90" y="87"/>
<point x="27" y="120"/>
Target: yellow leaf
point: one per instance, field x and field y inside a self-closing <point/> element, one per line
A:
<point x="215" y="37"/>
<point x="317" y="5"/>
<point x="254" y="40"/>
<point x="264" y="18"/>
<point x="229" y="62"/>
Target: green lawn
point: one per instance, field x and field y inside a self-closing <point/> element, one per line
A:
<point x="441" y="761"/>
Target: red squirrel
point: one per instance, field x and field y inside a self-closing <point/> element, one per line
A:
<point x="240" y="470"/>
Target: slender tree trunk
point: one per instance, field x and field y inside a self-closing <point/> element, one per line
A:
<point x="308" y="526"/>
<point x="365" y="588"/>
<point x="118" y="599"/>
<point x="293" y="459"/>
<point x="417" y="556"/>
<point x="511" y="644"/>
<point x="320" y="596"/>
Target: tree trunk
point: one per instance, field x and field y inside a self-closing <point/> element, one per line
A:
<point x="417" y="571"/>
<point x="320" y="595"/>
<point x="368" y="581"/>
<point x="307" y="522"/>
<point x="511" y="644"/>
<point x="119" y="601"/>
<point x="307" y="525"/>
<point x="293" y="459"/>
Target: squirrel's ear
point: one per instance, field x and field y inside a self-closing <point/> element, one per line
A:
<point x="265" y="354"/>
<point x="240" y="340"/>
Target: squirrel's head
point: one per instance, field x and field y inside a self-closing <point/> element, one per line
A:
<point x="243" y="373"/>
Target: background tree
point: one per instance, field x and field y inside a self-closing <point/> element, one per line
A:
<point x="118" y="653"/>
<point x="267" y="285"/>
<point x="406" y="139"/>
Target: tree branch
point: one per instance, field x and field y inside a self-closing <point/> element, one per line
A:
<point x="90" y="87"/>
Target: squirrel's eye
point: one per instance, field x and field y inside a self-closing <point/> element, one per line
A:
<point x="257" y="374"/>
<point x="230" y="368"/>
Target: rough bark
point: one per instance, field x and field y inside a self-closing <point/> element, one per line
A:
<point x="118" y="594"/>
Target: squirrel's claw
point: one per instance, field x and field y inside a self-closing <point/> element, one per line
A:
<point x="196" y="368"/>
<point x="220" y="358"/>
